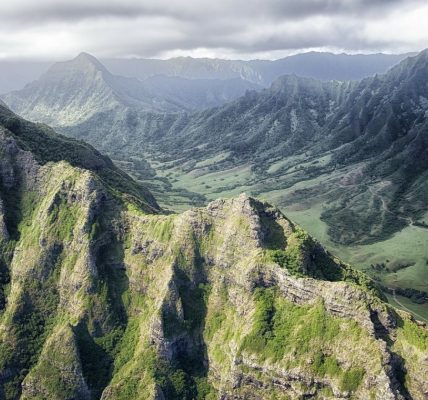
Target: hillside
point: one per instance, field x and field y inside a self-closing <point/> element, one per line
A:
<point x="47" y="146"/>
<point x="103" y="299"/>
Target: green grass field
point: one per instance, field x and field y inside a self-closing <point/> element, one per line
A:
<point x="420" y="311"/>
<point x="410" y="244"/>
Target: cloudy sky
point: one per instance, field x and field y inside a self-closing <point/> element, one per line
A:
<point x="59" y="29"/>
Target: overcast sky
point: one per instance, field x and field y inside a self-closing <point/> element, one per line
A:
<point x="59" y="29"/>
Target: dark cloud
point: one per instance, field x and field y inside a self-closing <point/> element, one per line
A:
<point x="305" y="8"/>
<point x="76" y="10"/>
<point x="147" y="28"/>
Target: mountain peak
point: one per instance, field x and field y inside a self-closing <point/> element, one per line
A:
<point x="84" y="54"/>
<point x="84" y="62"/>
<point x="87" y="59"/>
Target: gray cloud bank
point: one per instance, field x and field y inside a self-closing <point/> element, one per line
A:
<point x="51" y="29"/>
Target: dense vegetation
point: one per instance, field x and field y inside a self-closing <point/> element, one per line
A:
<point x="47" y="146"/>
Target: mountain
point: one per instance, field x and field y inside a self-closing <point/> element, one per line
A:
<point x="197" y="94"/>
<point x="323" y="66"/>
<point x="377" y="126"/>
<point x="73" y="91"/>
<point x="46" y="147"/>
<point x="185" y="67"/>
<point x="384" y="125"/>
<point x="82" y="91"/>
<point x="67" y="93"/>
<point x="347" y="160"/>
<point x="277" y="121"/>
<point x="105" y="297"/>
<point x="14" y="75"/>
<point x="328" y="66"/>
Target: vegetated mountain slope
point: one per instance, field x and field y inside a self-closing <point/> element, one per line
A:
<point x="197" y="94"/>
<point x="73" y="91"/>
<point x="384" y="123"/>
<point x="47" y="146"/>
<point x="324" y="66"/>
<point x="67" y="93"/>
<point x="102" y="299"/>
<point x="280" y="120"/>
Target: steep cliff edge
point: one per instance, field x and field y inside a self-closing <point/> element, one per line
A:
<point x="103" y="297"/>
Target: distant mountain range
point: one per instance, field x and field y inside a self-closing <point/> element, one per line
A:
<point x="73" y="91"/>
<point x="14" y="75"/>
<point x="323" y="66"/>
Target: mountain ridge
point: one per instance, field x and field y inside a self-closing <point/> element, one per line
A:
<point x="14" y="75"/>
<point x="47" y="146"/>
<point x="264" y="72"/>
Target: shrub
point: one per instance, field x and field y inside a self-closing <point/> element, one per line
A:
<point x="352" y="379"/>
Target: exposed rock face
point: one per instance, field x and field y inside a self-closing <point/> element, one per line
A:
<point x="231" y="301"/>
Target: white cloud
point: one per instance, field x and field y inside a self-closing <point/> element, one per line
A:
<point x="55" y="29"/>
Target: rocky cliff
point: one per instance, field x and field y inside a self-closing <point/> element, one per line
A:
<point x="105" y="297"/>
